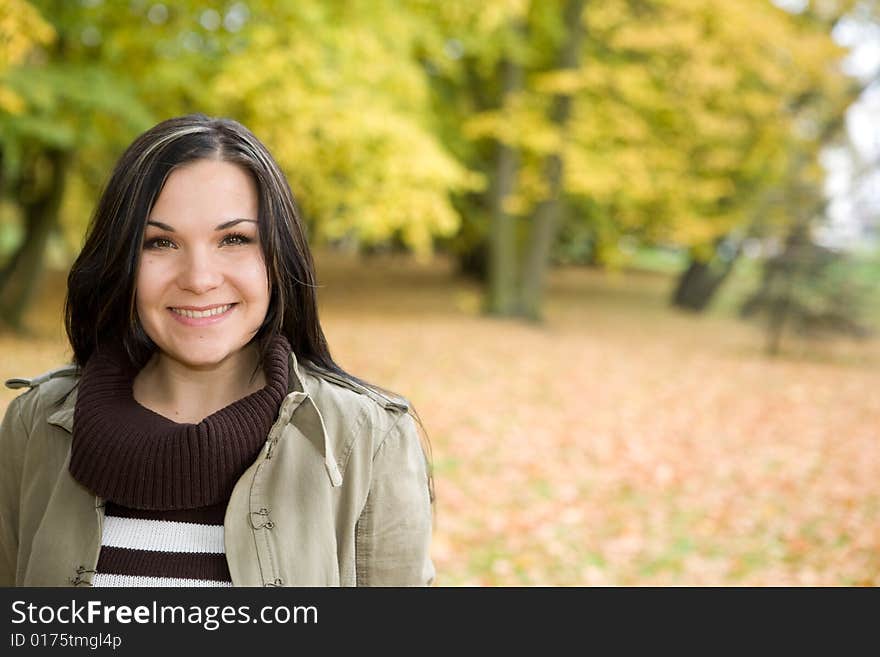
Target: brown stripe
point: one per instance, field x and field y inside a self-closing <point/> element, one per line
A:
<point x="147" y="563"/>
<point x="206" y="515"/>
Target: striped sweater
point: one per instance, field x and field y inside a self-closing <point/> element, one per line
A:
<point x="165" y="485"/>
<point x="162" y="548"/>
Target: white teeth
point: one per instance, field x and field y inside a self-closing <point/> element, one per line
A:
<point x="194" y="314"/>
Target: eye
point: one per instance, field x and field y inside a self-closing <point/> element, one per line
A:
<point x="236" y="239"/>
<point x="158" y="243"/>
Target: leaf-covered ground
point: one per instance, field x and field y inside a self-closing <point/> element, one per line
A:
<point x="619" y="443"/>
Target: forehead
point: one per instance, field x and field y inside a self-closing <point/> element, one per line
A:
<point x="207" y="191"/>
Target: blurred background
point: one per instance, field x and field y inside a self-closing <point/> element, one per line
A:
<point x="623" y="256"/>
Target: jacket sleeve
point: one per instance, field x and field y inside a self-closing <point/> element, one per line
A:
<point x="13" y="440"/>
<point x="394" y="529"/>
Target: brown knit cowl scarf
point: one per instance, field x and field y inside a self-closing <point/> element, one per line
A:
<point x="130" y="455"/>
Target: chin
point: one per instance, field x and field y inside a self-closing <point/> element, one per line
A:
<point x="204" y="357"/>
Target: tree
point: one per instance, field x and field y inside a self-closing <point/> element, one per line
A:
<point x="675" y="120"/>
<point x="813" y="89"/>
<point x="808" y="289"/>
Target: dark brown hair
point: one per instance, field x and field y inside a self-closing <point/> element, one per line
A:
<point x="101" y="285"/>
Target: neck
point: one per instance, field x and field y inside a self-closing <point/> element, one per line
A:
<point x="186" y="395"/>
<point x="132" y="455"/>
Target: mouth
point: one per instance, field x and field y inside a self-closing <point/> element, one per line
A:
<point x="202" y="313"/>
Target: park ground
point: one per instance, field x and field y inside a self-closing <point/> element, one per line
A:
<point x="618" y="443"/>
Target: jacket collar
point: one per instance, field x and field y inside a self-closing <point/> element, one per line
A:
<point x="63" y="417"/>
<point x="297" y="394"/>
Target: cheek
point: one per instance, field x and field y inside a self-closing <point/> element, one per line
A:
<point x="256" y="280"/>
<point x="148" y="284"/>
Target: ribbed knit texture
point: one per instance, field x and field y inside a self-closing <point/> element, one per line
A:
<point x="128" y="454"/>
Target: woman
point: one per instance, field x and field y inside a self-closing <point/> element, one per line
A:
<point x="203" y="435"/>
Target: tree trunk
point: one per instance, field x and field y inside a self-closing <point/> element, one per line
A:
<point x="778" y="298"/>
<point x="20" y="277"/>
<point x="545" y="223"/>
<point x="699" y="283"/>
<point x="776" y="320"/>
<point x="776" y="294"/>
<point x="473" y="261"/>
<point x="502" y="233"/>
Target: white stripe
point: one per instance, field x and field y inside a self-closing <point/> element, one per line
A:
<point x="109" y="580"/>
<point x="162" y="535"/>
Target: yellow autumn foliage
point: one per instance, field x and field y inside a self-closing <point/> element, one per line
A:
<point x="347" y="116"/>
<point x="21" y="28"/>
<point x="381" y="112"/>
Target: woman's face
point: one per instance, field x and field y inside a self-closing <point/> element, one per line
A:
<point x="202" y="287"/>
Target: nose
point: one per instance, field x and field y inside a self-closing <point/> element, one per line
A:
<point x="199" y="273"/>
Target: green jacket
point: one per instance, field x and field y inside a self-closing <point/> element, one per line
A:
<point x="338" y="496"/>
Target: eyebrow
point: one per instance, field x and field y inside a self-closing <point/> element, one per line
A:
<point x="223" y="226"/>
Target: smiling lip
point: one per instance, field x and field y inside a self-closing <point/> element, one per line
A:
<point x="201" y="315"/>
